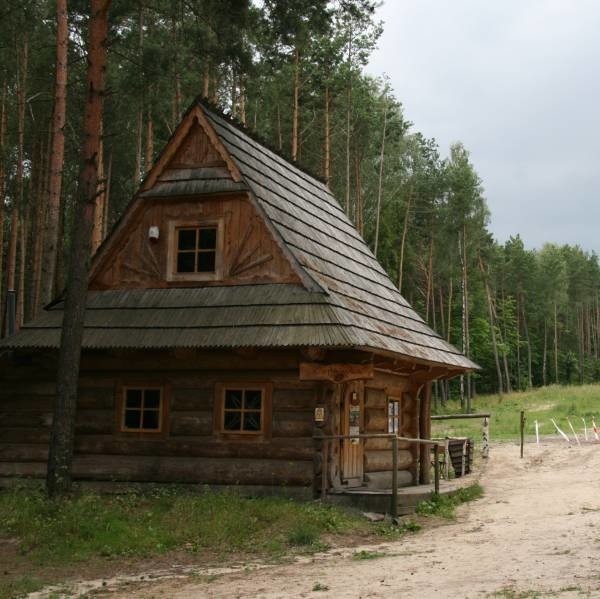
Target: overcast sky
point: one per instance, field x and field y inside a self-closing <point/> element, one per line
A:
<point x="518" y="82"/>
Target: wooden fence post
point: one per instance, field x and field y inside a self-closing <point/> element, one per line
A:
<point x="394" y="506"/>
<point x="522" y="431"/>
<point x="436" y="468"/>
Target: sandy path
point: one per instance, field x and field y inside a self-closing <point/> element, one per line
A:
<point x="536" y="530"/>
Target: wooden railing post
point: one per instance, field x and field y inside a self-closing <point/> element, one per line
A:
<point x="436" y="468"/>
<point x="324" y="468"/>
<point x="394" y="506"/>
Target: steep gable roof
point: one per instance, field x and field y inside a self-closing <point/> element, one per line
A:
<point x="348" y="299"/>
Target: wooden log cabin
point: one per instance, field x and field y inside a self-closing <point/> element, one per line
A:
<point x="233" y="313"/>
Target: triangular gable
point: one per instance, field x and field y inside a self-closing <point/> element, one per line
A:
<point x="194" y="166"/>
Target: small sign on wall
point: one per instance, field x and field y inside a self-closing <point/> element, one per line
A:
<point x="319" y="414"/>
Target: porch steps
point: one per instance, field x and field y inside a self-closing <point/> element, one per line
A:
<point x="378" y="500"/>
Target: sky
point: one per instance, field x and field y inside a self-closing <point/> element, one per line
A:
<point x="518" y="83"/>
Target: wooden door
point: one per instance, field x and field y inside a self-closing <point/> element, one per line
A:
<point x="352" y="419"/>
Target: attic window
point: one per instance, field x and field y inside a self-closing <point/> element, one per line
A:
<point x="195" y="251"/>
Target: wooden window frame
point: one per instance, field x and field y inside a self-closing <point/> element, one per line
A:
<point x="398" y="418"/>
<point x="266" y="410"/>
<point x="121" y="393"/>
<point x="172" y="275"/>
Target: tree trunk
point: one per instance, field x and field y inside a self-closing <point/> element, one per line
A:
<point x="380" y="186"/>
<point x="359" y="208"/>
<point x="403" y="240"/>
<point x="545" y="358"/>
<point x="2" y="193"/>
<point x="555" y="343"/>
<point x="149" y="154"/>
<point x="327" y="140"/>
<point x="60" y="458"/>
<point x="98" y="226"/>
<point x="296" y="105"/>
<point x="13" y="242"/>
<point x="529" y="358"/>
<point x="242" y="101"/>
<point x="206" y="80"/>
<point x="51" y="229"/>
<point x="492" y="325"/>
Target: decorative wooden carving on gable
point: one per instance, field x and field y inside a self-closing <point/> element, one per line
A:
<point x="196" y="150"/>
<point x="250" y="253"/>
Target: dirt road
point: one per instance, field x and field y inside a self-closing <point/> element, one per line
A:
<point x="535" y="533"/>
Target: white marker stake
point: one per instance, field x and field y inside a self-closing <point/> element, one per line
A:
<point x="595" y="429"/>
<point x="573" y="430"/>
<point x="537" y="433"/>
<point x="584" y="428"/>
<point x="561" y="432"/>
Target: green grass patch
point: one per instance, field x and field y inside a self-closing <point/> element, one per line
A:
<point x="20" y="587"/>
<point x="558" y="402"/>
<point x="365" y="554"/>
<point x="444" y="506"/>
<point x="87" y="526"/>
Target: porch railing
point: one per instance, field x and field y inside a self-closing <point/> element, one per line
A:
<point x="325" y="439"/>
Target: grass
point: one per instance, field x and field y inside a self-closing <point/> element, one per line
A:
<point x="365" y="554"/>
<point x="89" y="526"/>
<point x="444" y="506"/>
<point x="558" y="402"/>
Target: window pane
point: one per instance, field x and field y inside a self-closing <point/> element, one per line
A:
<point x="232" y="421"/>
<point x="186" y="239"/>
<point x="185" y="262"/>
<point x="206" y="262"/>
<point x="253" y="399"/>
<point x="208" y="239"/>
<point x="151" y="419"/>
<point x="132" y="418"/>
<point x="134" y="398"/>
<point x="252" y="421"/>
<point x="233" y="399"/>
<point x="151" y="398"/>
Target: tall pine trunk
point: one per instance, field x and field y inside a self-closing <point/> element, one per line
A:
<point x="403" y="240"/>
<point x="327" y="137"/>
<point x="51" y="229"/>
<point x="296" y="105"/>
<point x="60" y="458"/>
<point x="380" y="185"/>
<point x="2" y="191"/>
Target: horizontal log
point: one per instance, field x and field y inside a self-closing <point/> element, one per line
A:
<point x="196" y="398"/>
<point x="25" y="435"/>
<point x="27" y="386"/>
<point x="382" y="460"/>
<point x="96" y="398"/>
<point x="379" y="444"/>
<point x="383" y="480"/>
<point x="292" y="424"/>
<point x="26" y="418"/>
<point x="281" y="449"/>
<point x="294" y="399"/>
<point x="229" y="471"/>
<point x="25" y="402"/>
<point x="376" y="421"/>
<point x="394" y="384"/>
<point x="191" y="423"/>
<point x="375" y="398"/>
<point x="95" y="422"/>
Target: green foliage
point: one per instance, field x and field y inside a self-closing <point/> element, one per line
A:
<point x="558" y="402"/>
<point x="444" y="506"/>
<point x="365" y="554"/>
<point x="90" y="526"/>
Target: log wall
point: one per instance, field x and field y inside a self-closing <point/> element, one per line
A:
<point x="189" y="452"/>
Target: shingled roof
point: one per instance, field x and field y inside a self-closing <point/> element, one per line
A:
<point x="347" y="300"/>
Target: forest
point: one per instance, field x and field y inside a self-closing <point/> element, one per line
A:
<point x="294" y="74"/>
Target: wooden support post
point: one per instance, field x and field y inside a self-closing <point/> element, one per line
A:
<point x="485" y="439"/>
<point x="394" y="506"/>
<point x="463" y="467"/>
<point x="436" y="468"/>
<point x="324" y="469"/>
<point x="522" y="431"/>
